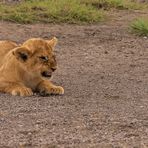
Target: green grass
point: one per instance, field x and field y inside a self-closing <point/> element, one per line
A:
<point x="140" y="27"/>
<point x="117" y="4"/>
<point x="63" y="11"/>
<point x="51" y="11"/>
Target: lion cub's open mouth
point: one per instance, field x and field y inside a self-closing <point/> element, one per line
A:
<point x="46" y="74"/>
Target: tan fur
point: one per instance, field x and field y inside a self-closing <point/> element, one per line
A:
<point x="27" y="68"/>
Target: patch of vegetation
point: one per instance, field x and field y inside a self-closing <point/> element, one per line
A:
<point x="62" y="11"/>
<point x="50" y="11"/>
<point x="118" y="4"/>
<point x="140" y="27"/>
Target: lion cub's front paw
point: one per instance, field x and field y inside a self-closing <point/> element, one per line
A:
<point x="55" y="90"/>
<point x="21" y="91"/>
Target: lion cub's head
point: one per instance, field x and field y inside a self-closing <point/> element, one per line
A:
<point x="36" y="56"/>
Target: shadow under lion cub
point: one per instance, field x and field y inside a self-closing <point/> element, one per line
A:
<point x="27" y="68"/>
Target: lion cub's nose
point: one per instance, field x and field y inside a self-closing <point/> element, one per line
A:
<point x="53" y="69"/>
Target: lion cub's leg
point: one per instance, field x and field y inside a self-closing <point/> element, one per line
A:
<point x="47" y="88"/>
<point x="18" y="90"/>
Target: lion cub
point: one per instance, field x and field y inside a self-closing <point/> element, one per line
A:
<point x="27" y="68"/>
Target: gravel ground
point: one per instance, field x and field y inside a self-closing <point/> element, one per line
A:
<point x="104" y="70"/>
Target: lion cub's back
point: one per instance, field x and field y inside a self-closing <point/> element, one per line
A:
<point x="5" y="47"/>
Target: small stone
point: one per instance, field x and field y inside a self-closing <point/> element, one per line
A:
<point x="106" y="52"/>
<point x="145" y="37"/>
<point x="102" y="77"/>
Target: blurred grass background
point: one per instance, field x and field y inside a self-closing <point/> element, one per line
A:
<point x="51" y="11"/>
<point x="70" y="11"/>
<point x="63" y="11"/>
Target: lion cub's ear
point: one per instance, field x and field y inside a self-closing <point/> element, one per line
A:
<point x="22" y="53"/>
<point x="52" y="42"/>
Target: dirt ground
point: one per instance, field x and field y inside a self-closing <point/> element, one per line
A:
<point x="104" y="70"/>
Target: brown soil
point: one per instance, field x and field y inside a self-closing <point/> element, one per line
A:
<point x="104" y="70"/>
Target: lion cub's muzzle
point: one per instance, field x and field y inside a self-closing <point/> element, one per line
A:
<point x="48" y="74"/>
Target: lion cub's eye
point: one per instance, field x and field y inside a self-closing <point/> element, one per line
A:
<point x="44" y="58"/>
